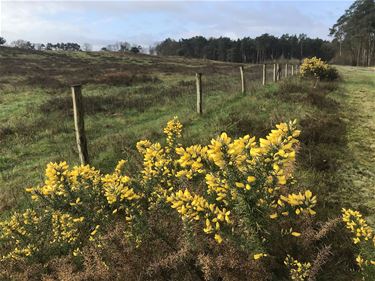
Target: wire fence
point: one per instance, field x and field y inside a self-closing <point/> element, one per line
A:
<point x="230" y="81"/>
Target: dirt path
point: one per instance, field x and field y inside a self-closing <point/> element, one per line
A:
<point x="358" y="171"/>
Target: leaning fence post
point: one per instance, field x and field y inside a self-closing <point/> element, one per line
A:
<point x="243" y="89"/>
<point x="198" y="77"/>
<point x="274" y="72"/>
<point x="79" y="124"/>
<point x="292" y="69"/>
<point x="286" y="70"/>
<point x="264" y="74"/>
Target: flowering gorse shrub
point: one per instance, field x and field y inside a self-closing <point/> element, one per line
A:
<point x="238" y="191"/>
<point x="236" y="174"/>
<point x="313" y="67"/>
<point x="364" y="238"/>
<point x="297" y="271"/>
<point x="18" y="235"/>
<point x="316" y="68"/>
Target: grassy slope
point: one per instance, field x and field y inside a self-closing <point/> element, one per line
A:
<point x="36" y="122"/>
<point x="358" y="169"/>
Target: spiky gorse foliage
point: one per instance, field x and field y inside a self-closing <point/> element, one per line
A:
<point x="313" y="67"/>
<point x="234" y="175"/>
<point x="17" y="235"/>
<point x="297" y="271"/>
<point x="70" y="208"/>
<point x="238" y="191"/>
<point x="364" y="238"/>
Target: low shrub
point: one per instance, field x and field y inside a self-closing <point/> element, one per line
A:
<point x="364" y="238"/>
<point x="229" y="210"/>
<point x="289" y="86"/>
<point x="316" y="68"/>
<point x="331" y="74"/>
<point x="124" y="78"/>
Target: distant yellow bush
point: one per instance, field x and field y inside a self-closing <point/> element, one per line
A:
<point x="317" y="68"/>
<point x="314" y="67"/>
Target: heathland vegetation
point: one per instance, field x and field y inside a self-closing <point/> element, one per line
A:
<point x="183" y="208"/>
<point x="271" y="183"/>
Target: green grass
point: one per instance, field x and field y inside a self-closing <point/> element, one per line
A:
<point x="358" y="166"/>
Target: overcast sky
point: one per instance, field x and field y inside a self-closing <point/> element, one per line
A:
<point x="146" y="22"/>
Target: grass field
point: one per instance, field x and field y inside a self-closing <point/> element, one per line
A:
<point x="131" y="97"/>
<point x="127" y="97"/>
<point x="358" y="170"/>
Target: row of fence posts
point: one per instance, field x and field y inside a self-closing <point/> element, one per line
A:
<point x="78" y="111"/>
<point x="276" y="77"/>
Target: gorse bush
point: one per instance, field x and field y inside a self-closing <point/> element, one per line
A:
<point x="234" y="194"/>
<point x="316" y="68"/>
<point x="313" y="67"/>
<point x="331" y="74"/>
<point x="364" y="239"/>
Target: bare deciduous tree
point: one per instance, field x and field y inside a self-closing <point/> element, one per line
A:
<point x="87" y="47"/>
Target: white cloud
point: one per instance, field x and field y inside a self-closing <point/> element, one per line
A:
<point x="144" y="22"/>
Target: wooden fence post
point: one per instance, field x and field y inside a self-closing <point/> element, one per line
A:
<point x="292" y="69"/>
<point x="79" y="124"/>
<point x="274" y="72"/>
<point x="286" y="70"/>
<point x="243" y="89"/>
<point x="198" y="77"/>
<point x="278" y="77"/>
<point x="264" y="74"/>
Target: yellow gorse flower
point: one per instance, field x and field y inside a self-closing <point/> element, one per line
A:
<point x="259" y="256"/>
<point x="363" y="236"/>
<point x="19" y="230"/>
<point x="193" y="207"/>
<point x="191" y="160"/>
<point x="216" y="150"/>
<point x="65" y="228"/>
<point x="117" y="187"/>
<point x="357" y="226"/>
<point x="297" y="270"/>
<point x="173" y="131"/>
<point x="303" y="203"/>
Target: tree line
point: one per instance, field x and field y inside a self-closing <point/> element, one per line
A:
<point x="353" y="43"/>
<point x="248" y="50"/>
<point x="354" y="34"/>
<point x="27" y="45"/>
<point x="71" y="46"/>
<point x="122" y="47"/>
